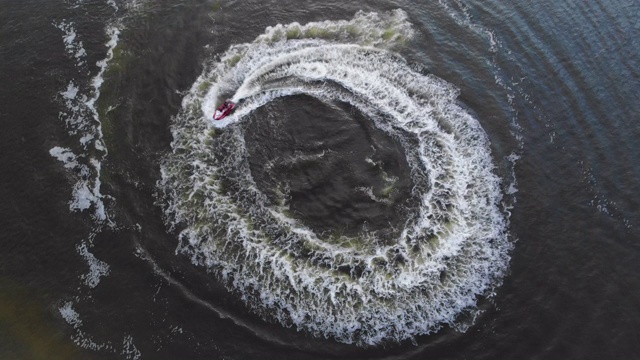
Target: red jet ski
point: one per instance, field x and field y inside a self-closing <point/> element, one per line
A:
<point x="223" y="110"/>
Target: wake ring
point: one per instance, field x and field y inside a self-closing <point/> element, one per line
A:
<point x="451" y="250"/>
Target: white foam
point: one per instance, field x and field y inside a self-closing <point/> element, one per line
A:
<point x="64" y="155"/>
<point x="71" y="92"/>
<point x="70" y="315"/>
<point x="82" y="118"/>
<point x="73" y="47"/>
<point x="86" y="191"/>
<point x="466" y="20"/>
<point x="513" y="184"/>
<point x="600" y="202"/>
<point x="134" y="5"/>
<point x="454" y="247"/>
<point x="513" y="90"/>
<point x="97" y="268"/>
<point x="113" y="4"/>
<point x="129" y="350"/>
<point x="372" y="196"/>
<point x="80" y="338"/>
<point x="84" y="163"/>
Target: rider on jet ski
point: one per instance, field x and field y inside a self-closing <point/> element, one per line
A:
<point x="225" y="109"/>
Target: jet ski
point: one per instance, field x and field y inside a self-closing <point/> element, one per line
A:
<point x="225" y="109"/>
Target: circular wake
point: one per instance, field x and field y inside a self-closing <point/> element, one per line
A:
<point x="452" y="247"/>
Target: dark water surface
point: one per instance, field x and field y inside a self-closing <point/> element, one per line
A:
<point x="96" y="107"/>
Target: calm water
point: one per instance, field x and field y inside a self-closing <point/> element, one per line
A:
<point x="452" y="179"/>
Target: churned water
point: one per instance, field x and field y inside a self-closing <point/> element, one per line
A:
<point x="449" y="179"/>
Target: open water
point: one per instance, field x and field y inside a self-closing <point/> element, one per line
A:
<point x="444" y="179"/>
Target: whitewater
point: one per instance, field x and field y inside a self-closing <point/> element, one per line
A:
<point x="453" y="247"/>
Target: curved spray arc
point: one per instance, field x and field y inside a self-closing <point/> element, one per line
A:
<point x="452" y="250"/>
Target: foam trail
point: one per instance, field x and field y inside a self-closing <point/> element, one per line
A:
<point x="84" y="162"/>
<point x="463" y="18"/>
<point x="453" y="247"/>
<point x="82" y="118"/>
